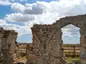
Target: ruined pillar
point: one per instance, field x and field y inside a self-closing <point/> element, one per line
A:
<point x="8" y="46"/>
<point x="1" y="38"/>
<point x="45" y="44"/>
<point x="60" y="42"/>
<point x="47" y="40"/>
<point x="83" y="44"/>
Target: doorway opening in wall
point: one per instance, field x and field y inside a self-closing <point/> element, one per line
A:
<point x="71" y="42"/>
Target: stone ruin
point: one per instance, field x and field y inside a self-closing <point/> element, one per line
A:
<point x="46" y="44"/>
<point x="47" y="40"/>
<point x="7" y="45"/>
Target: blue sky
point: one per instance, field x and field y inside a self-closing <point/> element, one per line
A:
<point x="20" y="15"/>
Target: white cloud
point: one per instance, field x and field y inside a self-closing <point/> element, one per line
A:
<point x="2" y="22"/>
<point x="46" y="13"/>
<point x="20" y="29"/>
<point x="5" y="2"/>
<point x="70" y="30"/>
<point x="17" y="7"/>
<point x="52" y="11"/>
<point x="19" y="17"/>
<point x="5" y="25"/>
<point x="68" y="7"/>
<point x="35" y="8"/>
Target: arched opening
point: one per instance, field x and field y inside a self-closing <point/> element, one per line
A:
<point x="71" y="42"/>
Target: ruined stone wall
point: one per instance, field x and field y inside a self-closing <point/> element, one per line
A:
<point x="47" y="40"/>
<point x="7" y="45"/>
<point x="80" y="22"/>
<point x="46" y="44"/>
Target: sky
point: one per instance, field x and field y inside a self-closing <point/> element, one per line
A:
<point x="21" y="15"/>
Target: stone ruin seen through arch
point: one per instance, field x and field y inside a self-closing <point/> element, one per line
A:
<point x="46" y="42"/>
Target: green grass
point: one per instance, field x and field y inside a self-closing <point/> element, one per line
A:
<point x="23" y="59"/>
<point x="70" y="59"/>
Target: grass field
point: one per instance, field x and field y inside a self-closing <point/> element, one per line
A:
<point x="70" y="59"/>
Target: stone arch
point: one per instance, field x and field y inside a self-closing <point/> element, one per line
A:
<point x="47" y="39"/>
<point x="75" y="20"/>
